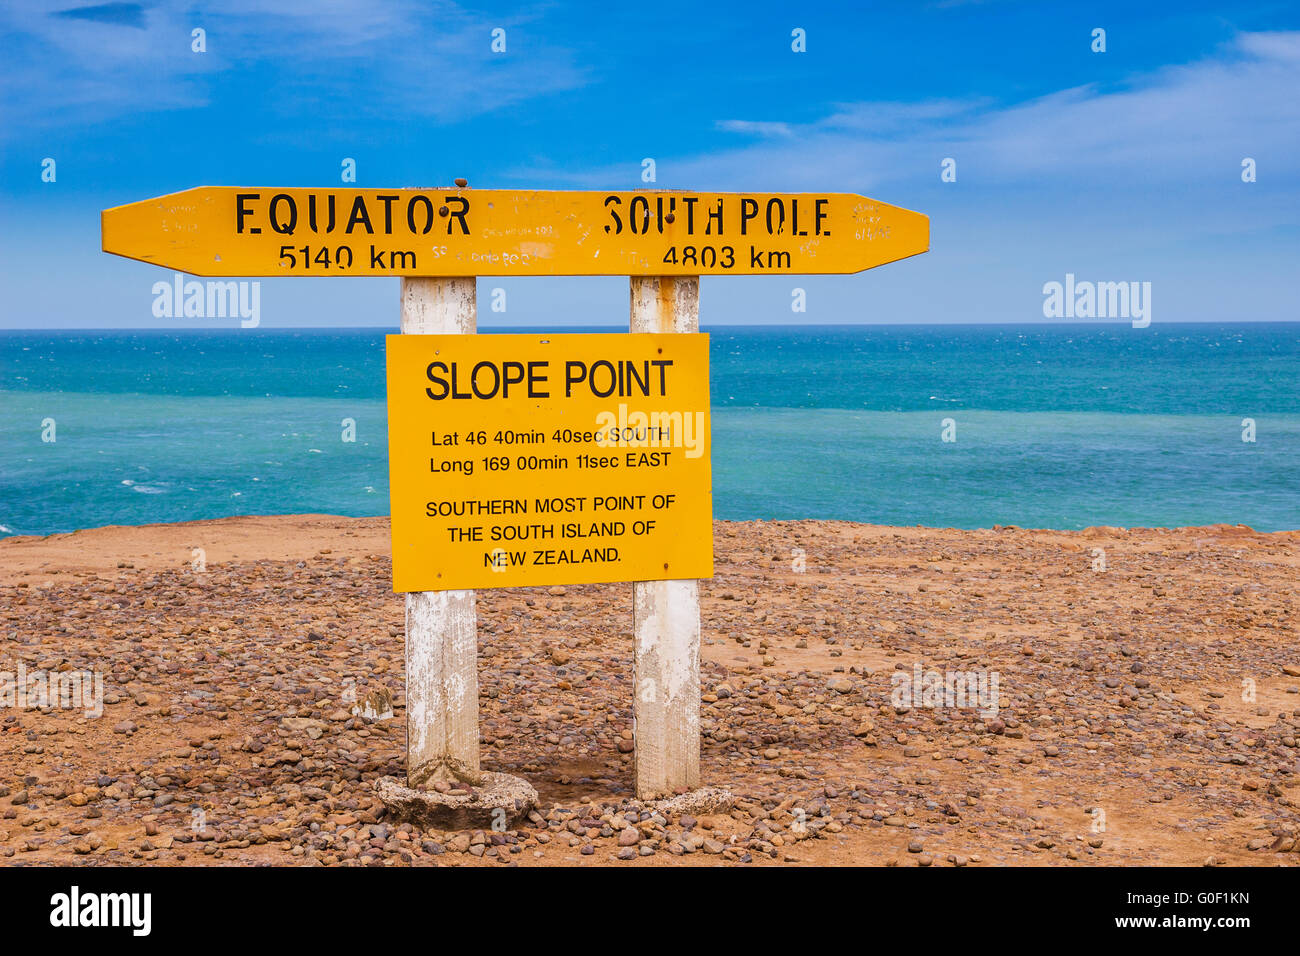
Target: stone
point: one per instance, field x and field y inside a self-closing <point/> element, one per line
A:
<point x="698" y="802"/>
<point x="499" y="799"/>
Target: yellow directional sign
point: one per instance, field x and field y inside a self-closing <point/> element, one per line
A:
<point x="548" y="459"/>
<point x="266" y="231"/>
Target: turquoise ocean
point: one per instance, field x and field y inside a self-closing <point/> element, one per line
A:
<point x="1056" y="426"/>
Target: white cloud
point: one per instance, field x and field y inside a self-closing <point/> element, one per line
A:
<point x="1176" y="125"/>
<point x="81" y="65"/>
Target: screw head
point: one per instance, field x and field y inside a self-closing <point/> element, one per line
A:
<point x="462" y="183"/>
<point x="443" y="210"/>
<point x="669" y="218"/>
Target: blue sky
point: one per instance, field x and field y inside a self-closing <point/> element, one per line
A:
<point x="1115" y="166"/>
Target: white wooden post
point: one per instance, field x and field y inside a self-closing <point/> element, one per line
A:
<point x="666" y="614"/>
<point x="441" y="626"/>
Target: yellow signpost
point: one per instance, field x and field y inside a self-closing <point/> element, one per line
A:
<point x="548" y="459"/>
<point x="533" y="459"/>
<point x="264" y="231"/>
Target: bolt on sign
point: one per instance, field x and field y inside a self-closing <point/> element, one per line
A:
<point x="548" y="459"/>
<point x="251" y="231"/>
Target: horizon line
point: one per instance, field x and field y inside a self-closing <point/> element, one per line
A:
<point x="1048" y="324"/>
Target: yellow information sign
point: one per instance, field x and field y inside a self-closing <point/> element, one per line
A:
<point x="252" y="231"/>
<point x="548" y="459"/>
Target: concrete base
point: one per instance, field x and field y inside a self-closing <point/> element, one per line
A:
<point x="498" y="803"/>
<point x="697" y="802"/>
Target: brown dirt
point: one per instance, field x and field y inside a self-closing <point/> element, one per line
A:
<point x="226" y="693"/>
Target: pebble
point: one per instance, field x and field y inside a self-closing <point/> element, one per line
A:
<point x="257" y="728"/>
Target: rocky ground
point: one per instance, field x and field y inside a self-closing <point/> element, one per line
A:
<point x="1148" y="712"/>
